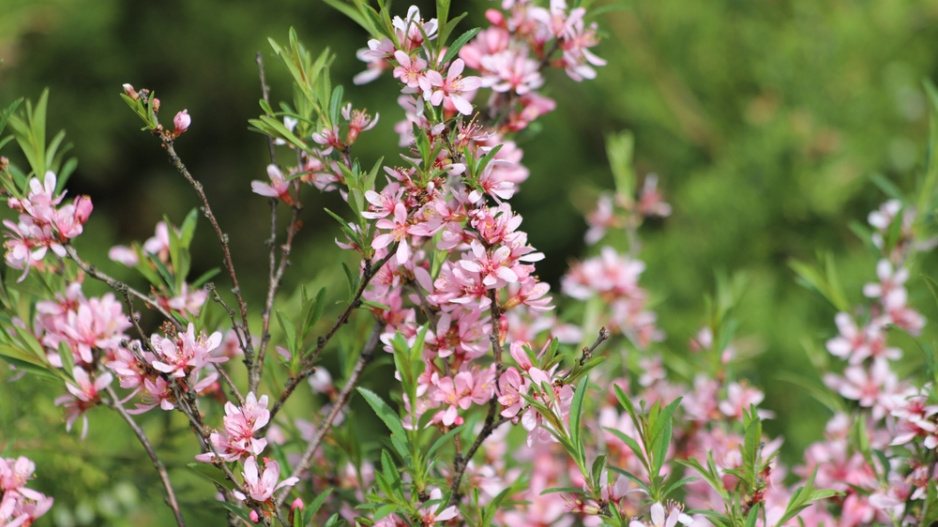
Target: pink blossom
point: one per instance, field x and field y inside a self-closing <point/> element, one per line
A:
<point x="430" y="514"/>
<point x="278" y="187"/>
<point x="453" y="88"/>
<point x="241" y="423"/>
<point x="83" y="397"/>
<point x="260" y="487"/>
<point x="181" y="122"/>
<point x="184" y="353"/>
<point x="411" y="71"/>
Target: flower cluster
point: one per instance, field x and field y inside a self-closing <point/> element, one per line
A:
<point x="898" y="418"/>
<point x="43" y="224"/>
<point x="19" y="505"/>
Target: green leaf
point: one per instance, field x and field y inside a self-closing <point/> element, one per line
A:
<point x="458" y="44"/>
<point x="358" y="17"/>
<point x="315" y="505"/>
<point x="7" y="112"/>
<point x="441" y="441"/>
<point x="238" y="511"/>
<point x="385" y="413"/>
<point x="335" y="105"/>
<point x="212" y="473"/>
<point x="289" y="332"/>
<point x="576" y="412"/>
<point x="204" y="277"/>
<point x="276" y="129"/>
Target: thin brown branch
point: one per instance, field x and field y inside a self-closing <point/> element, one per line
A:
<point x="460" y="463"/>
<point x="337" y="406"/>
<point x="308" y="369"/>
<point x="117" y="285"/>
<point x="275" y="276"/>
<point x="265" y="93"/>
<point x="242" y="329"/>
<point x="157" y="463"/>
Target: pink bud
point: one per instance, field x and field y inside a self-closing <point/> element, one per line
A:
<point x="181" y="122"/>
<point x="255" y="517"/>
<point x="495" y="17"/>
<point x="83" y="208"/>
<point x="130" y="91"/>
<point x="156" y="105"/>
<point x="297" y="504"/>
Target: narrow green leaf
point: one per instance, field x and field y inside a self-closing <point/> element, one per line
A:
<point x="204" y="277"/>
<point x="315" y="505"/>
<point x="289" y="332"/>
<point x="385" y="413"/>
<point x="576" y="412"/>
<point x="212" y="473"/>
<point x="241" y="513"/>
<point x="335" y="105"/>
<point x="458" y="44"/>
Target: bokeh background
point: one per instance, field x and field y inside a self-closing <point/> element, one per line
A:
<point x="765" y="122"/>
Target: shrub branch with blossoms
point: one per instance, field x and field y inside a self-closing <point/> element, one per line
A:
<point x="502" y="411"/>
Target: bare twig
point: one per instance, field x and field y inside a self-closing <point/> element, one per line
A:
<point x="337" y="406"/>
<point x="308" y="369"/>
<point x="157" y="463"/>
<point x="117" y="284"/>
<point x="242" y="329"/>
<point x="265" y="92"/>
<point x="460" y="463"/>
<point x="275" y="276"/>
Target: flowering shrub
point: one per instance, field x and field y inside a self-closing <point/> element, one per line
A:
<point x="503" y="411"/>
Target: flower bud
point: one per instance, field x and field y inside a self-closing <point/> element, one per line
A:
<point x="181" y="122"/>
<point x="254" y="516"/>
<point x="130" y="91"/>
<point x="83" y="208"/>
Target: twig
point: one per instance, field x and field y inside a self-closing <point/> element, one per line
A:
<point x="460" y="463"/>
<point x="117" y="284"/>
<point x="368" y="273"/>
<point x="157" y="463"/>
<point x="275" y="277"/>
<point x="265" y="91"/>
<point x="177" y="163"/>
<point x="340" y="402"/>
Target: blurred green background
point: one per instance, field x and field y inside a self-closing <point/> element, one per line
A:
<point x="763" y="119"/>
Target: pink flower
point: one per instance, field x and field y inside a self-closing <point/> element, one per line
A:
<point x="411" y="71"/>
<point x="430" y="514"/>
<point x="181" y="122"/>
<point x="241" y="424"/>
<point x="278" y="187"/>
<point x="260" y="487"/>
<point x="664" y="518"/>
<point x="452" y="88"/>
<point x="83" y="397"/>
<point x="181" y="355"/>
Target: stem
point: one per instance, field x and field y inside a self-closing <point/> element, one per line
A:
<point x="340" y="402"/>
<point x="460" y="463"/>
<point x="118" y="285"/>
<point x="367" y="274"/>
<point x="265" y="91"/>
<point x="275" y="277"/>
<point x="157" y="463"/>
<point x="241" y="329"/>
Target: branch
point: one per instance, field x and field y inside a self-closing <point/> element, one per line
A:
<point x="340" y="402"/>
<point x="167" y="139"/>
<point x="118" y="285"/>
<point x="462" y="462"/>
<point x="275" y="277"/>
<point x="157" y="463"/>
<point x="308" y="369"/>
